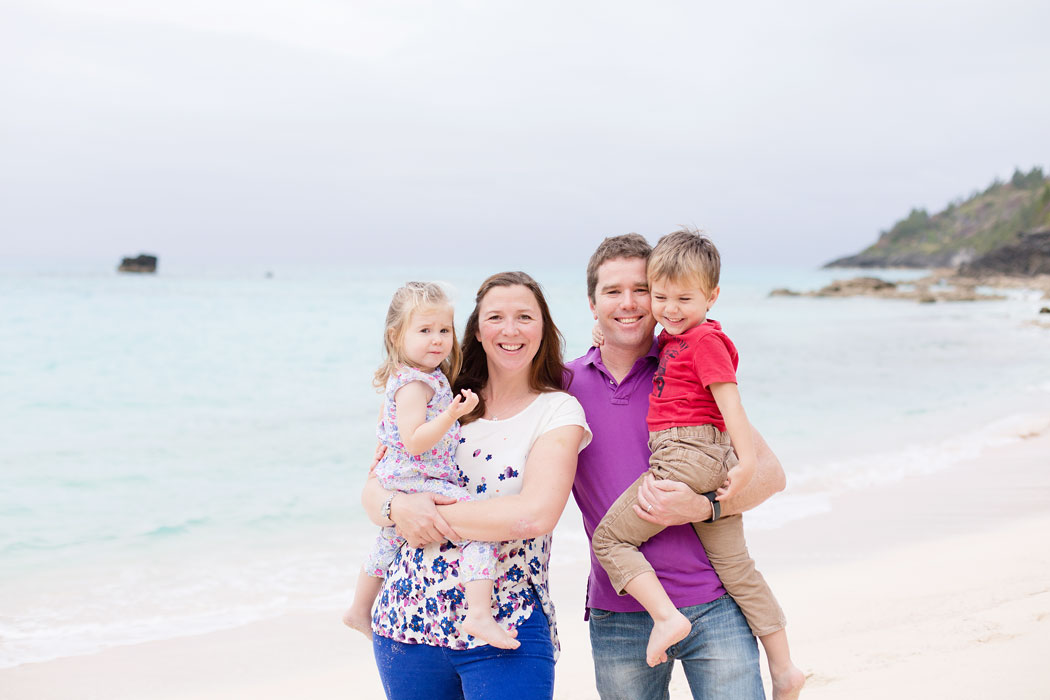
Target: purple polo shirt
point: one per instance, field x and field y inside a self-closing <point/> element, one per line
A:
<point x="617" y="455"/>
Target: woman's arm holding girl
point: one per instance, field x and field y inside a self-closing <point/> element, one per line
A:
<point x="415" y="514"/>
<point x="547" y="483"/>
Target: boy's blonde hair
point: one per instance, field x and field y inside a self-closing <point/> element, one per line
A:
<point x="413" y="297"/>
<point x="687" y="255"/>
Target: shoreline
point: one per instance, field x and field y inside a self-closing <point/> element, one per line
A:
<point x="897" y="586"/>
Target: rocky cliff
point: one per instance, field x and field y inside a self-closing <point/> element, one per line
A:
<point x="966" y="230"/>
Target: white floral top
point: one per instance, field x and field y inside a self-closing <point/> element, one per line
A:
<point x="422" y="598"/>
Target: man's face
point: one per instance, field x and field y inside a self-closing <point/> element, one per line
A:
<point x="621" y="304"/>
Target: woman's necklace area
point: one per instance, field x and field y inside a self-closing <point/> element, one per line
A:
<point x="508" y="408"/>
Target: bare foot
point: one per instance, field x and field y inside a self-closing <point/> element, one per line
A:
<point x="487" y="630"/>
<point x="362" y="622"/>
<point x="787" y="683"/>
<point x="666" y="632"/>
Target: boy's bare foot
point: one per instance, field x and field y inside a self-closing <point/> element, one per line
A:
<point x="666" y="632"/>
<point x="358" y="621"/>
<point x="487" y="630"/>
<point x="787" y="683"/>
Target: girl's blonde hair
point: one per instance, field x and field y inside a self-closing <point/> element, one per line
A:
<point x="413" y="297"/>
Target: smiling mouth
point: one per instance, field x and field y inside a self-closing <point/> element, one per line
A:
<point x="511" y="348"/>
<point x="628" y="321"/>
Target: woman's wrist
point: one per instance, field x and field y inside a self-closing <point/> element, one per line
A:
<point x="387" y="510"/>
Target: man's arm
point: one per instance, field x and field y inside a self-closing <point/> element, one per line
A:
<point x="674" y="503"/>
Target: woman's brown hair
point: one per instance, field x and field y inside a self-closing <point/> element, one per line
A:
<point x="548" y="371"/>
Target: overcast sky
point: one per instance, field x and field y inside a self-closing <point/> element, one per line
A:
<point x="791" y="131"/>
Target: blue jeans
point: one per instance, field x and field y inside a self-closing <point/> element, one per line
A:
<point x="720" y="655"/>
<point x="411" y="671"/>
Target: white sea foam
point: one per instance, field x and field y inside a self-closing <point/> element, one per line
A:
<point x="120" y="604"/>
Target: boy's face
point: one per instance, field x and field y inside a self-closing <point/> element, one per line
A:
<point x="679" y="305"/>
<point x="621" y="304"/>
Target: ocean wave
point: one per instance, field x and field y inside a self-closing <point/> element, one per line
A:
<point x="179" y="529"/>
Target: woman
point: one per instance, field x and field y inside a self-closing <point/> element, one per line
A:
<point x="520" y="445"/>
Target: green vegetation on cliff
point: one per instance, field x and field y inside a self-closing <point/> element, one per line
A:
<point x="965" y="229"/>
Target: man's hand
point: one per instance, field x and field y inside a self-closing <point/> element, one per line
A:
<point x="417" y="520"/>
<point x="670" y="503"/>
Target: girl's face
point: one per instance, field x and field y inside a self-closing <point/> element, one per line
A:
<point x="510" y="328"/>
<point x="428" y="338"/>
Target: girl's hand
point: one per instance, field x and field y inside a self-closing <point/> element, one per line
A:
<point x="597" y="337"/>
<point x="463" y="404"/>
<point x="377" y="458"/>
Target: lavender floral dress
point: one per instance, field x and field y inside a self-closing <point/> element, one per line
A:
<point x="422" y="601"/>
<point x="434" y="471"/>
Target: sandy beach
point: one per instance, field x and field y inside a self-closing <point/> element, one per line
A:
<point x="938" y="587"/>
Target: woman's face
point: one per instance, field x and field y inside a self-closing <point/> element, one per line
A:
<point x="510" y="328"/>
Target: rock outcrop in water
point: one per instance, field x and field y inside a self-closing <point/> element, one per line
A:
<point x="926" y="290"/>
<point x="143" y="263"/>
<point x="1028" y="255"/>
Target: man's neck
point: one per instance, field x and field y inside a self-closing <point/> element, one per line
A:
<point x="620" y="360"/>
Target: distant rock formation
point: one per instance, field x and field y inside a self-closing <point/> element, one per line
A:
<point x="143" y="263"/>
<point x="926" y="290"/>
<point x="1029" y="255"/>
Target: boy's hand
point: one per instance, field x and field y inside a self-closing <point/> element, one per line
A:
<point x="463" y="404"/>
<point x="738" y="477"/>
<point x="597" y="337"/>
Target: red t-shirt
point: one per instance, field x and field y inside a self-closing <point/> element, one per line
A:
<point x="689" y="364"/>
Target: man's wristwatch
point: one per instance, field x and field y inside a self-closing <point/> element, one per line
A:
<point x="716" y="506"/>
<point x="385" y="510"/>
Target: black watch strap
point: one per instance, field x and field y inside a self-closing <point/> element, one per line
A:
<point x="716" y="506"/>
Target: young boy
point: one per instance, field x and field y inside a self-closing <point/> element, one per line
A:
<point x="699" y="435"/>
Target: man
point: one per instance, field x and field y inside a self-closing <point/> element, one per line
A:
<point x="613" y="382"/>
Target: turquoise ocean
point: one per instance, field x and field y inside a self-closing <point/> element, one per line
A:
<point x="184" y="452"/>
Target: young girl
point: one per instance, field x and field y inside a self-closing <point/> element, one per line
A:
<point x="420" y="429"/>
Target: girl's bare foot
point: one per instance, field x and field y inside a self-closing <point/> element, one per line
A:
<point x="487" y="630"/>
<point x="666" y="632"/>
<point x="358" y="621"/>
<point x="787" y="683"/>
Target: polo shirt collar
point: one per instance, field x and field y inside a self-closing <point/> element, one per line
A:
<point x="593" y="357"/>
